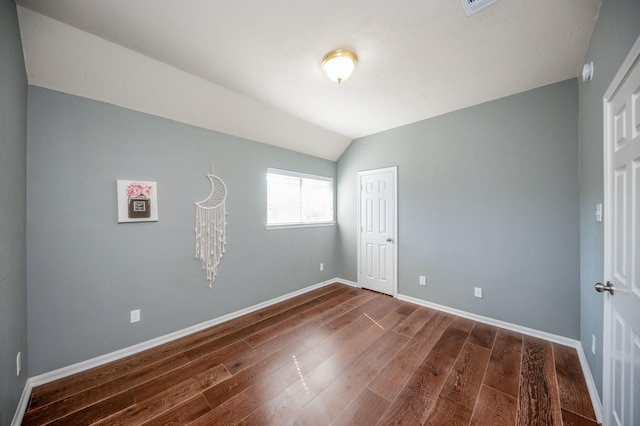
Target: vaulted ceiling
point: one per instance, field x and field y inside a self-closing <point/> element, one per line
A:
<point x="251" y="68"/>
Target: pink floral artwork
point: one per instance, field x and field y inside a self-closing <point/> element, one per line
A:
<point x="137" y="189"/>
<point x="137" y="201"/>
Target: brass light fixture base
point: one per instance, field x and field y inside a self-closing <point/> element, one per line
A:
<point x="339" y="64"/>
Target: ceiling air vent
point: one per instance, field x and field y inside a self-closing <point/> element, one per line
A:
<point x="472" y="6"/>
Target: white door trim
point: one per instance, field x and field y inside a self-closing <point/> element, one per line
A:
<point x="394" y="252"/>
<point x="631" y="60"/>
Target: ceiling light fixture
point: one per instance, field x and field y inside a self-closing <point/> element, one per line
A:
<point x="339" y="64"/>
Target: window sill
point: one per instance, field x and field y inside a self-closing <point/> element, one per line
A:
<point x="300" y="225"/>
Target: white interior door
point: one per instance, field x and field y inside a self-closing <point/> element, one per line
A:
<point x="622" y="245"/>
<point x="377" y="224"/>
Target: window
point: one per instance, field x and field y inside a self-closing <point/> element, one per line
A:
<point x="298" y="199"/>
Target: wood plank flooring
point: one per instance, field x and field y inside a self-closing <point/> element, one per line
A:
<point x="337" y="355"/>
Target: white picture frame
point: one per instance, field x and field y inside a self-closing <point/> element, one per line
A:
<point x="137" y="201"/>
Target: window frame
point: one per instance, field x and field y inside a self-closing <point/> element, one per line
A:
<point x="291" y="173"/>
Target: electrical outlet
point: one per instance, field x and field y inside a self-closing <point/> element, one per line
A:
<point x="18" y="363"/>
<point x="477" y="292"/>
<point x="423" y="280"/>
<point x="322" y="266"/>
<point x="135" y="315"/>
<point x="593" y="344"/>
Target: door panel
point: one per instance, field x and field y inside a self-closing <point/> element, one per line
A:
<point x="618" y="368"/>
<point x="635" y="226"/>
<point x="620" y="231"/>
<point x="383" y="256"/>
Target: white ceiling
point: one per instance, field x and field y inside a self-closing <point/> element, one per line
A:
<point x="252" y="68"/>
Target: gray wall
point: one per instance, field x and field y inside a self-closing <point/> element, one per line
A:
<point x="86" y="271"/>
<point x="488" y="197"/>
<point x="616" y="30"/>
<point x="13" y="146"/>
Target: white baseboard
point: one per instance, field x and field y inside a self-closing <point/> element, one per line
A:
<point x="113" y="356"/>
<point x="22" y="404"/>
<point x="591" y="385"/>
<point x="122" y="353"/>
<point x="343" y="281"/>
<point x="491" y="321"/>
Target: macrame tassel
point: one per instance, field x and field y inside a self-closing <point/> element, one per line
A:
<point x="211" y="224"/>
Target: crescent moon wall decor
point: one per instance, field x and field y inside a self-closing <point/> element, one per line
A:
<point x="211" y="226"/>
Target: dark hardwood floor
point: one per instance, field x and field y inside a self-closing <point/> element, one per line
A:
<point x="336" y="355"/>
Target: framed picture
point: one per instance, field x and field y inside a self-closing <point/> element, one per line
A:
<point x="137" y="201"/>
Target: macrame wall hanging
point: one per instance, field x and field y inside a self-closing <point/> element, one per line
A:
<point x="211" y="225"/>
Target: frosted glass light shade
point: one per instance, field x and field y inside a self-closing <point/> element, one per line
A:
<point x="339" y="64"/>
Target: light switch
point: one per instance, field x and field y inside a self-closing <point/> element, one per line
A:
<point x="599" y="212"/>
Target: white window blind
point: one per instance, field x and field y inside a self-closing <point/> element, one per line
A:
<point x="295" y="199"/>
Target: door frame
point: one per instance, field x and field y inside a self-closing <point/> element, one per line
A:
<point x="394" y="252"/>
<point x="632" y="59"/>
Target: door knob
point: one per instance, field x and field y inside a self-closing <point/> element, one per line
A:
<point x="601" y="288"/>
<point x="389" y="240"/>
